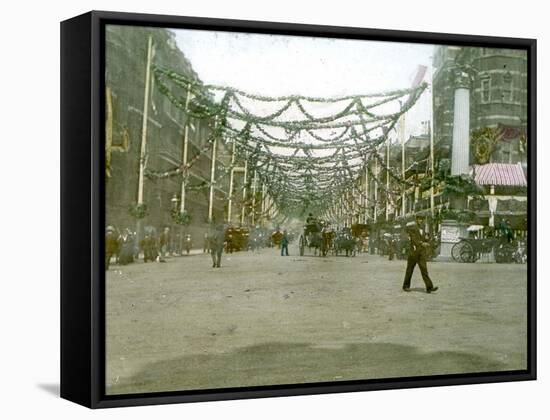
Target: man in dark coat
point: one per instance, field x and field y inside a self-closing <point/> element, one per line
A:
<point x="216" y="238"/>
<point x="418" y="251"/>
<point x="148" y="245"/>
<point x="111" y="245"/>
<point x="284" y="244"/>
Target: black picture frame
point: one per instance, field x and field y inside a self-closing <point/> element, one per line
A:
<point x="83" y="203"/>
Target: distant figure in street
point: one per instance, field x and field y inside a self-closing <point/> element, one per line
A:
<point x="284" y="244"/>
<point x="419" y="248"/>
<point x="111" y="245"/>
<point x="164" y="242"/>
<point x="391" y="247"/>
<point x="310" y="219"/>
<point x="126" y="243"/>
<point x="187" y="243"/>
<point x="216" y="239"/>
<point x="509" y="231"/>
<point x="505" y="228"/>
<point x="149" y="248"/>
<point x="205" y="248"/>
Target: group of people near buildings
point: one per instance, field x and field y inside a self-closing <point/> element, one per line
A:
<point x="124" y="247"/>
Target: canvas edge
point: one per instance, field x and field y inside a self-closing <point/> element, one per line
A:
<point x="88" y="389"/>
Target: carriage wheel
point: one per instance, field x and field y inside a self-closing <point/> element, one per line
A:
<point x="302" y="245"/>
<point x="462" y="252"/>
<point x="504" y="253"/>
<point x="467" y="253"/>
<point x="455" y="251"/>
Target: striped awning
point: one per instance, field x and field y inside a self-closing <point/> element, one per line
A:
<point x="503" y="174"/>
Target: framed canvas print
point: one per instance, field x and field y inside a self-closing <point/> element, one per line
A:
<point x="255" y="209"/>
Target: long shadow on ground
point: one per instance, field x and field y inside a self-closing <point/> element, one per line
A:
<point x="288" y="363"/>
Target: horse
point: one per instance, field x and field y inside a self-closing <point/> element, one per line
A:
<point x="345" y="242"/>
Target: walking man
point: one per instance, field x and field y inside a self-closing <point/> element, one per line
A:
<point x="164" y="242"/>
<point x="418" y="250"/>
<point x="284" y="244"/>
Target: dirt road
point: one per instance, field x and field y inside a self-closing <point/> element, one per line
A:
<point x="265" y="319"/>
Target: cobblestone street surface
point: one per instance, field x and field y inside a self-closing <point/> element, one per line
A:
<point x="263" y="319"/>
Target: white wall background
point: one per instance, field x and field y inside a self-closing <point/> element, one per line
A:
<point x="29" y="169"/>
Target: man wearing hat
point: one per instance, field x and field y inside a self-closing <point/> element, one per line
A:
<point x="419" y="248"/>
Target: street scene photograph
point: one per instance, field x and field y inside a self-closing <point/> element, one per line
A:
<point x="288" y="210"/>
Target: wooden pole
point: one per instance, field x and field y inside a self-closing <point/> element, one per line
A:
<point x="254" y="198"/>
<point x="184" y="173"/>
<point x="387" y="175"/>
<point x="212" y="174"/>
<point x="244" y="189"/>
<point x="231" y="180"/>
<point x="403" y="194"/>
<point x="143" y="150"/>
<point x="262" y="221"/>
<point x="366" y="206"/>
<point x="376" y="189"/>
<point x="430" y="130"/>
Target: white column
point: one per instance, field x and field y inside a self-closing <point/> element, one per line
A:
<point x="460" y="163"/>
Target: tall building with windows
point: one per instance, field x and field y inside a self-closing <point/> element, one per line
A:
<point x="497" y="89"/>
<point x="479" y="121"/>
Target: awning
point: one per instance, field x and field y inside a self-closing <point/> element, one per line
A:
<point x="500" y="174"/>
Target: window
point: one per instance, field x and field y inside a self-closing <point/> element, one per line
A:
<point x="485" y="89"/>
<point x="507" y="92"/>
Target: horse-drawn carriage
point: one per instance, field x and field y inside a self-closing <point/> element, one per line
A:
<point x="315" y="235"/>
<point x="505" y="250"/>
<point x="349" y="240"/>
<point x="236" y="239"/>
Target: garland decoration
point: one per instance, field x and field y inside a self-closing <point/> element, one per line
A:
<point x="180" y="218"/>
<point x="139" y="211"/>
<point x="305" y="149"/>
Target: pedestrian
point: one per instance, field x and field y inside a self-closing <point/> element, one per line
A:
<point x="391" y="247"/>
<point x="111" y="245"/>
<point x="418" y="250"/>
<point x="127" y="247"/>
<point x="284" y="244"/>
<point x="509" y="231"/>
<point x="188" y="243"/>
<point x="216" y="238"/>
<point x="164" y="242"/>
<point x="149" y="248"/>
<point x="205" y="247"/>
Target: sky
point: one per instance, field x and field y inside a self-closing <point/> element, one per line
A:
<point x="276" y="65"/>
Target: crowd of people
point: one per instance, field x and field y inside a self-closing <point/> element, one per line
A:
<point x="123" y="247"/>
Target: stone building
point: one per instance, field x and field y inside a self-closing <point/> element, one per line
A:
<point x="126" y="60"/>
<point x="479" y="118"/>
<point x="479" y="88"/>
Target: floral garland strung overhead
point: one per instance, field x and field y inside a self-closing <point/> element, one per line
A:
<point x="304" y="149"/>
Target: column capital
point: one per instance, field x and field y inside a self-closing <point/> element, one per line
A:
<point x="462" y="78"/>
